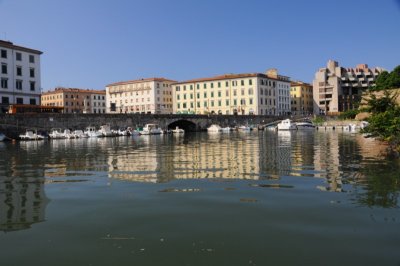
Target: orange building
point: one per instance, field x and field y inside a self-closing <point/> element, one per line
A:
<point x="76" y="100"/>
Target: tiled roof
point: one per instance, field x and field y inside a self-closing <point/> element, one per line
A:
<point x="74" y="90"/>
<point x="229" y="76"/>
<point x="140" y="81"/>
<point x="10" y="45"/>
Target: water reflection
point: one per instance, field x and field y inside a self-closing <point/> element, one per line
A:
<point x="22" y="197"/>
<point x="336" y="162"/>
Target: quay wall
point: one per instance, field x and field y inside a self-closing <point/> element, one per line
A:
<point x="14" y="124"/>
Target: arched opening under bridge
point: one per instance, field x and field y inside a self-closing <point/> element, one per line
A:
<point x="184" y="124"/>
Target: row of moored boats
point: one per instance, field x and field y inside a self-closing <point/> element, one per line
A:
<point x="93" y="132"/>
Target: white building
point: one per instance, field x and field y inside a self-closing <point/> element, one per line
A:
<point x="152" y="95"/>
<point x="19" y="75"/>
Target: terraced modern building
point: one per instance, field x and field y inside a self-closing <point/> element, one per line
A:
<point x="338" y="89"/>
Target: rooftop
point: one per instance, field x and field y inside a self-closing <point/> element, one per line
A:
<point x="10" y="45"/>
<point x="236" y="76"/>
<point x="140" y="81"/>
<point x="74" y="90"/>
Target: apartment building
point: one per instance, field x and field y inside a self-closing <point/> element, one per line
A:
<point x="244" y="94"/>
<point x="301" y="98"/>
<point x="19" y="75"/>
<point x="338" y="89"/>
<point x="76" y="100"/>
<point x="150" y="96"/>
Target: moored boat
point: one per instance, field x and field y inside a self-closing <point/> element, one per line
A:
<point x="92" y="132"/>
<point x="178" y="130"/>
<point x="287" y="124"/>
<point x="151" y="129"/>
<point x="31" y="134"/>
<point x="106" y="131"/>
<point x="304" y="125"/>
<point x="56" y="133"/>
<point x="214" y="128"/>
<point x="2" y="137"/>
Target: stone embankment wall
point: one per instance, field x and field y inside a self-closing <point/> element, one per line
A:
<point x="14" y="124"/>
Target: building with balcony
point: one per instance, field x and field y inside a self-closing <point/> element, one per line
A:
<point x="338" y="89"/>
<point x="19" y="75"/>
<point x="244" y="94"/>
<point x="76" y="100"/>
<point x="301" y="98"/>
<point x="152" y="95"/>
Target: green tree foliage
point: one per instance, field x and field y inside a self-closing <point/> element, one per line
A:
<point x="387" y="80"/>
<point x="349" y="114"/>
<point x="384" y="121"/>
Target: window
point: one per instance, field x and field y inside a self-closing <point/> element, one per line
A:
<point x="212" y="103"/>
<point x="18" y="84"/>
<point x="234" y="102"/>
<point x="227" y="102"/>
<point x="184" y="87"/>
<point x="20" y="100"/>
<point x="242" y="82"/>
<point x="198" y="95"/>
<point x="198" y="104"/>
<point x="205" y="95"/>
<point x="219" y="84"/>
<point x="19" y="71"/>
<point x="32" y="85"/>
<point x="184" y="105"/>
<point x="250" y="82"/>
<point x="212" y="85"/>
<point x="219" y="93"/>
<point x="4" y="83"/>
<point x="3" y="53"/>
<point x="191" y="87"/>
<point x="219" y="103"/>
<point x="226" y="84"/>
<point x="4" y="68"/>
<point x="32" y="72"/>
<point x="5" y="100"/>
<point x="178" y="97"/>
<point x="205" y="86"/>
<point x="32" y="101"/>
<point x="251" y="100"/>
<point x="212" y="94"/>
<point x="18" y="56"/>
<point x="31" y="59"/>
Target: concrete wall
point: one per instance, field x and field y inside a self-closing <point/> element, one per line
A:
<point x="14" y="124"/>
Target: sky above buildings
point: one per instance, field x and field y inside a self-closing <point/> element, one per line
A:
<point x="91" y="43"/>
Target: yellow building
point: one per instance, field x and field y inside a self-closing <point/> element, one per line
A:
<point x="301" y="98"/>
<point x="76" y="100"/>
<point x="253" y="93"/>
<point x="152" y="96"/>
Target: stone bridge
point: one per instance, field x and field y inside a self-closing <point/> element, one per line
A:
<point x="14" y="124"/>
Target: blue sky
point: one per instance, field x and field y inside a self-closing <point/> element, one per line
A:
<point x="89" y="43"/>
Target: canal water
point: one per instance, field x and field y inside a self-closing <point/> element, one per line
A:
<point x="258" y="198"/>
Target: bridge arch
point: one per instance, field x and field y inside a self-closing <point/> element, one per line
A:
<point x="184" y="124"/>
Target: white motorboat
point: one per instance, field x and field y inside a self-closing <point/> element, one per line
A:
<point x="123" y="132"/>
<point x="287" y="124"/>
<point x="106" y="131"/>
<point x="178" y="130"/>
<point x="244" y="128"/>
<point x="214" y="129"/>
<point x="31" y="134"/>
<point x="304" y="125"/>
<point x="151" y="129"/>
<point x="56" y="133"/>
<point x="226" y="129"/>
<point x="92" y="132"/>
<point x="80" y="134"/>
<point x="350" y="128"/>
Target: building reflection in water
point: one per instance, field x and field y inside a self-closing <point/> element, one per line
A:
<point x="22" y="198"/>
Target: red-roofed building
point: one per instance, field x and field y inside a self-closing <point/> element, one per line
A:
<point x="76" y="100"/>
